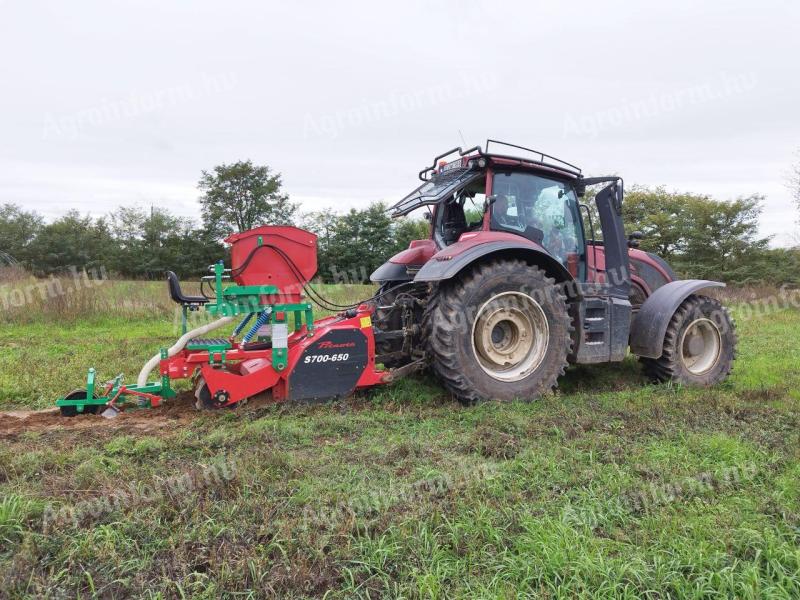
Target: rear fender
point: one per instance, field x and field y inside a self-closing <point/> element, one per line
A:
<point x="650" y="324"/>
<point x="445" y="265"/>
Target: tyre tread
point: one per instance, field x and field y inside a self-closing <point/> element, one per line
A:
<point x="440" y="327"/>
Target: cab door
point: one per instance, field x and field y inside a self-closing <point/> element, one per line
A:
<point x="542" y="210"/>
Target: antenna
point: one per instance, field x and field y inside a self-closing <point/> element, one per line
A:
<point x="461" y="135"/>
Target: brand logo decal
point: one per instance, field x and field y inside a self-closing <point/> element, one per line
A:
<point x="327" y="345"/>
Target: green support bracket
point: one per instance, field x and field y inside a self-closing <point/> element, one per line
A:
<point x="212" y="350"/>
<point x="237" y="299"/>
<point x="166" y="386"/>
<point x="90" y="383"/>
<point x="280" y="356"/>
<point x="309" y="320"/>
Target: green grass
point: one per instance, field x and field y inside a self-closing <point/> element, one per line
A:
<point x="592" y="492"/>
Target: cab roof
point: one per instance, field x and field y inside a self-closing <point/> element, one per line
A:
<point x="507" y="153"/>
<point x="443" y="176"/>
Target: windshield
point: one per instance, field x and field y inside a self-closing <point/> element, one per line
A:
<point x="543" y="210"/>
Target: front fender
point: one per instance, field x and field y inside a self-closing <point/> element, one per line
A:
<point x="390" y="271"/>
<point x="650" y="324"/>
<point x="446" y="266"/>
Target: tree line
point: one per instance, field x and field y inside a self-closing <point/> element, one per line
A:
<point x="700" y="236"/>
<point x="705" y="238"/>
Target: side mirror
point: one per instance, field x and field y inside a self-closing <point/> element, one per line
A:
<point x="489" y="201"/>
<point x="633" y="239"/>
<point x="428" y="217"/>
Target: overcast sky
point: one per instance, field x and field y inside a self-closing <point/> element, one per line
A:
<point x="107" y="103"/>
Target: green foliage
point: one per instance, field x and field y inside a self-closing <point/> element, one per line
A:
<point x="409" y="229"/>
<point x="663" y="217"/>
<point x="353" y="244"/>
<point x="707" y="238"/>
<point x="149" y="243"/>
<point x="240" y="196"/>
<point x="73" y="240"/>
<point x="723" y="238"/>
<point x="362" y="241"/>
<point x="18" y="228"/>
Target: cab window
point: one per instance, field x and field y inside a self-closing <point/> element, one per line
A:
<point x="544" y="211"/>
<point x="461" y="212"/>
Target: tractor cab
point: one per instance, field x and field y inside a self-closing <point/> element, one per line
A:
<point x="479" y="193"/>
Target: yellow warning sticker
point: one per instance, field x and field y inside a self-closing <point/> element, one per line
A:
<point x="366" y="322"/>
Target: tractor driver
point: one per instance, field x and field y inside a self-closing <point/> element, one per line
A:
<point x="515" y="218"/>
<point x="505" y="216"/>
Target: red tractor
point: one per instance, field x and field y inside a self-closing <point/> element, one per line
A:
<point x="510" y="287"/>
<point x="506" y="292"/>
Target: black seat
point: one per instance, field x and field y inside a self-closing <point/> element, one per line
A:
<point x="177" y="295"/>
<point x="454" y="223"/>
<point x="534" y="234"/>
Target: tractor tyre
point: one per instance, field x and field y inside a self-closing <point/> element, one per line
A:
<point x="699" y="346"/>
<point x="501" y="331"/>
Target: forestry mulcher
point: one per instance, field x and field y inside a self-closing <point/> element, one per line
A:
<point x="512" y="286"/>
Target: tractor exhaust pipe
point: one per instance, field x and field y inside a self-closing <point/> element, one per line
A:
<point x="178" y="346"/>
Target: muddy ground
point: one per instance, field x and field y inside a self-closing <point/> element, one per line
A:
<point x="171" y="414"/>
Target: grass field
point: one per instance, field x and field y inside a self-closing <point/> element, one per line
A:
<point x="609" y="488"/>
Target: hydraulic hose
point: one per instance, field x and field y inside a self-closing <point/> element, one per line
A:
<point x="178" y="346"/>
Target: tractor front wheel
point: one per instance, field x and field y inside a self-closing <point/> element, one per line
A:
<point x="699" y="346"/>
<point x="502" y="332"/>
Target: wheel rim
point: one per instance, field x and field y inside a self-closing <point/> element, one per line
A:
<point x="510" y="336"/>
<point x="701" y="346"/>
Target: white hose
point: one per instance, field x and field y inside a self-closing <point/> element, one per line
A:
<point x="178" y="346"/>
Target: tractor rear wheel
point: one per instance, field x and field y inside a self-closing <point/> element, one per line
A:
<point x="501" y="331"/>
<point x="699" y="346"/>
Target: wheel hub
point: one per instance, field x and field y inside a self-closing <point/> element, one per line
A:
<point x="510" y="336"/>
<point x="701" y="346"/>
